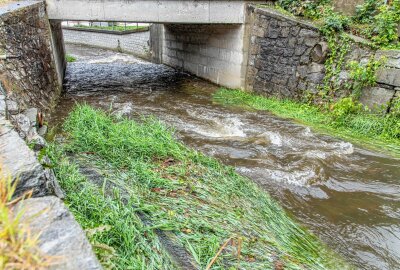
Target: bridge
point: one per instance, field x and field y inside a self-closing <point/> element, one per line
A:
<point x="207" y="38"/>
<point x="151" y="11"/>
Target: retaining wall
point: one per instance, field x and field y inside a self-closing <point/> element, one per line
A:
<point x="134" y="43"/>
<point x="31" y="84"/>
<point x="33" y="77"/>
<point x="287" y="60"/>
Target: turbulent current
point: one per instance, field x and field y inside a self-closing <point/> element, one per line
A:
<point x="345" y="194"/>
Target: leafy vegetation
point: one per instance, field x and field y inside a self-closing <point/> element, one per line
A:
<point x="363" y="75"/>
<point x="339" y="47"/>
<point x="376" y="20"/>
<point x="70" y="58"/>
<point x="222" y="219"/>
<point x="18" y="245"/>
<point x="345" y="118"/>
<point x="379" y="22"/>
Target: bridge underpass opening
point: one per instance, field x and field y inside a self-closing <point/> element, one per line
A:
<point x="215" y="52"/>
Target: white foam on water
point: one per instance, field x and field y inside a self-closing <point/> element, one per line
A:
<point x="221" y="128"/>
<point x="344" y="148"/>
<point x="116" y="58"/>
<point x="274" y="138"/>
<point x="316" y="154"/>
<point x="307" y="132"/>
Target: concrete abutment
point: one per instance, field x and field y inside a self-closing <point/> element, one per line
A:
<point x="212" y="52"/>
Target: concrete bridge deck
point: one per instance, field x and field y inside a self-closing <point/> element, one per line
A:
<point x="150" y="11"/>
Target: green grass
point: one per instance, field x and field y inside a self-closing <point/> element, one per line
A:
<point x="70" y="58"/>
<point x="196" y="198"/>
<point x="120" y="239"/>
<point x="118" y="28"/>
<point x="374" y="131"/>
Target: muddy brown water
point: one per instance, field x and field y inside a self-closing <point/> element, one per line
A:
<point x="347" y="195"/>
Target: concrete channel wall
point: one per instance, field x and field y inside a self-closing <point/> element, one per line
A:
<point x="212" y="52"/>
<point x="134" y="43"/>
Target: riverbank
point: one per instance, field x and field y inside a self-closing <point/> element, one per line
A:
<point x="375" y="131"/>
<point x="203" y="203"/>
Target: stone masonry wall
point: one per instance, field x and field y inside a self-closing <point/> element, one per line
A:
<point x="134" y="43"/>
<point x="29" y="74"/>
<point x="280" y="61"/>
<point x="29" y="85"/>
<point x="287" y="59"/>
<point x="212" y="52"/>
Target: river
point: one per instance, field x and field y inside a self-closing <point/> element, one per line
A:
<point x="345" y="194"/>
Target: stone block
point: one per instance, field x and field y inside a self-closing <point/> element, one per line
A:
<point x="285" y="31"/>
<point x="392" y="58"/>
<point x="311" y="41"/>
<point x="272" y="33"/>
<point x="308" y="33"/>
<point x="22" y="124"/>
<point x="31" y="114"/>
<point x="12" y="107"/>
<point x="21" y="163"/>
<point x="376" y="96"/>
<point x="60" y="235"/>
<point x="389" y="76"/>
<point x="3" y="110"/>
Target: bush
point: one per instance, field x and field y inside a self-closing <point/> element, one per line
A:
<point x="344" y="107"/>
<point x="366" y="12"/>
<point x="305" y="8"/>
<point x="334" y="22"/>
<point x="386" y="24"/>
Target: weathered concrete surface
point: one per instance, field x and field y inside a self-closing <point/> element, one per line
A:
<point x="60" y="235"/>
<point x="170" y="11"/>
<point x="212" y="52"/>
<point x="33" y="75"/>
<point x="347" y="7"/>
<point x="133" y="43"/>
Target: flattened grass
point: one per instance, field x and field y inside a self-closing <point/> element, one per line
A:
<point x="202" y="202"/>
<point x="373" y="131"/>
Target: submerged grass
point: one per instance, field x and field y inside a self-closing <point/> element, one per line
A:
<point x="70" y="58"/>
<point x="119" y="238"/>
<point x="376" y="132"/>
<point x="202" y="202"/>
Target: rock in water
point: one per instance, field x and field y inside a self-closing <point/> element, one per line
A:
<point x="42" y="131"/>
<point x="123" y="110"/>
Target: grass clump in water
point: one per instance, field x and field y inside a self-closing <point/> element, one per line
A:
<point x="344" y="119"/>
<point x="200" y="201"/>
<point x="70" y="58"/>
